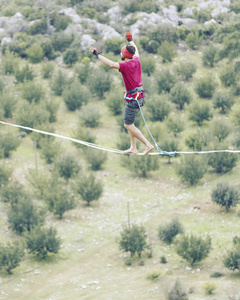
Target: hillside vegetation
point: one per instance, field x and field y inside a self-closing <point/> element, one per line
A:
<point x="81" y="223"/>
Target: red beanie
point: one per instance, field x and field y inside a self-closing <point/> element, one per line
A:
<point x="126" y="53"/>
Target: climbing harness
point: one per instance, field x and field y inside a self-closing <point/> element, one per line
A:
<point x="138" y="90"/>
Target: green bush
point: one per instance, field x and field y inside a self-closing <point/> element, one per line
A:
<point x="223" y="101"/>
<point x="41" y="241"/>
<point x="50" y="150"/>
<point x="191" y="169"/>
<point x="70" y="57"/>
<point x="38" y="27"/>
<point x="167" y="51"/>
<point x="163" y="260"/>
<point x="83" y="70"/>
<point x="222" y="162"/>
<point x="225" y="195"/>
<point x="228" y="75"/>
<point x="194" y="248"/>
<point x="24" y="74"/>
<point x="61" y="41"/>
<point x="89" y="188"/>
<point x="11" y="193"/>
<point x="209" y="288"/>
<point x="169" y="144"/>
<point x="141" y="165"/>
<point x="180" y="95"/>
<point x="7" y="103"/>
<point x="205" y="87"/>
<point x="47" y="70"/>
<point x="198" y="140"/>
<point x="148" y="65"/>
<point x="154" y="275"/>
<point x="59" y="82"/>
<point x="9" y="63"/>
<point x="167" y="232"/>
<point x="67" y="166"/>
<point x="177" y="292"/>
<point x="9" y="143"/>
<point x="83" y="134"/>
<point x="128" y="261"/>
<point x="51" y="106"/>
<point x="231" y="260"/>
<point x="113" y="45"/>
<point x="75" y="95"/>
<point x="220" y="129"/>
<point x="24" y="215"/>
<point x="10" y="256"/>
<point x="48" y="50"/>
<point x="115" y="102"/>
<point x="5" y="174"/>
<point x="99" y="83"/>
<point x="185" y="70"/>
<point x="35" y="53"/>
<point x="32" y="91"/>
<point x="209" y="56"/>
<point x="200" y="112"/>
<point x="60" y="22"/>
<point x="133" y="239"/>
<point x="95" y="158"/>
<point x="89" y="115"/>
<point x="159" y="107"/>
<point x="194" y="40"/>
<point x="202" y="15"/>
<point x="165" y="81"/>
<point x="175" y="124"/>
<point x="163" y="32"/>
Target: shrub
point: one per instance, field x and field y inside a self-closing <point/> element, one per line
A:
<point x="222" y="162"/>
<point x="168" y="232"/>
<point x="185" y="70"/>
<point x="209" y="56"/>
<point x="59" y="83"/>
<point x="205" y="87"/>
<point x="90" y="116"/>
<point x="10" y="63"/>
<point x="48" y="50"/>
<point x="99" y="83"/>
<point x="194" y="248"/>
<point x="83" y="70"/>
<point x="113" y="45"/>
<point x="41" y="241"/>
<point x="128" y="261"/>
<point x="141" y="164"/>
<point x="175" y="125"/>
<point x="123" y="141"/>
<point x="191" y="169"/>
<point x="220" y="129"/>
<point x="148" y="65"/>
<point x="89" y="188"/>
<point x="47" y="70"/>
<point x="35" y="53"/>
<point x="154" y="275"/>
<point x="228" y="75"/>
<point x="197" y="141"/>
<point x="9" y="143"/>
<point x="209" y="287"/>
<point x="7" y="103"/>
<point x="165" y="81"/>
<point x="180" y="95"/>
<point x="231" y="260"/>
<point x="169" y="144"/>
<point x="83" y="134"/>
<point x="95" y="158"/>
<point x="38" y="27"/>
<point x="32" y="91"/>
<point x="51" y="106"/>
<point x="50" y="150"/>
<point x="223" y="101"/>
<point x="114" y="102"/>
<point x="133" y="239"/>
<point x="200" y="112"/>
<point x="24" y="215"/>
<point x="5" y="174"/>
<point x="75" y="96"/>
<point x="10" y="256"/>
<point x="70" y="57"/>
<point x="61" y="41"/>
<point x="24" y="74"/>
<point x="159" y="107"/>
<point x="225" y="195"/>
<point x="163" y="260"/>
<point x="193" y="40"/>
<point x="167" y="51"/>
<point x="163" y="32"/>
<point x="11" y="193"/>
<point x="216" y="274"/>
<point x="67" y="166"/>
<point x="60" y="22"/>
<point x="177" y="292"/>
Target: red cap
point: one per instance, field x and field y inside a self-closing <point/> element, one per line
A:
<point x="126" y="53"/>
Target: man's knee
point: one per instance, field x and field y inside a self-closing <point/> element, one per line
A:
<point x="127" y="126"/>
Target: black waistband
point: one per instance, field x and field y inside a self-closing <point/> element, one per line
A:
<point x="137" y="89"/>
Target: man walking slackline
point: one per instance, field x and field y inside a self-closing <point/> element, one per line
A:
<point x="132" y="77"/>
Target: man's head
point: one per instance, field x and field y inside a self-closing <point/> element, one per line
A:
<point x="127" y="51"/>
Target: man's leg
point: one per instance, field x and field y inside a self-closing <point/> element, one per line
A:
<point x="133" y="147"/>
<point x="136" y="133"/>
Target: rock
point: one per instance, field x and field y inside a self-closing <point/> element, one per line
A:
<point x="216" y="11"/>
<point x="171" y="14"/>
<point x="87" y="41"/>
<point x="189" y="22"/>
<point x="6" y="40"/>
<point x="115" y="14"/>
<point x="72" y="14"/>
<point x="211" y="22"/>
<point x="188" y="12"/>
<point x="16" y="23"/>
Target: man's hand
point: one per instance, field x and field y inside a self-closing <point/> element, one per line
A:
<point x="129" y="36"/>
<point x="94" y="51"/>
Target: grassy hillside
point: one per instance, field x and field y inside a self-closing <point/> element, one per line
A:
<point x="89" y="264"/>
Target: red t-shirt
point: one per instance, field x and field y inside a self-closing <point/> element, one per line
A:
<point x="132" y="75"/>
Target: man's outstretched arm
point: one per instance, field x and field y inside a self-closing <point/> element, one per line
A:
<point x="105" y="60"/>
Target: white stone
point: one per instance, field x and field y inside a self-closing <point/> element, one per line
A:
<point x="6" y="40"/>
<point x="87" y="41"/>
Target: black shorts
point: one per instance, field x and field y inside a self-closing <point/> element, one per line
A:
<point x="131" y="110"/>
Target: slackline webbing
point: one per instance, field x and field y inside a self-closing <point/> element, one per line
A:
<point x="111" y="149"/>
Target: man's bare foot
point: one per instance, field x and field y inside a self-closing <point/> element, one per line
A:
<point x="148" y="149"/>
<point x="130" y="151"/>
